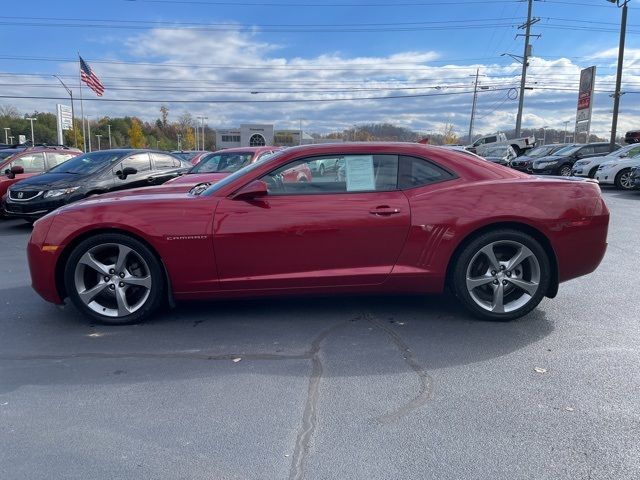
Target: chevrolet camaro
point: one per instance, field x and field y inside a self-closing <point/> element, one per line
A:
<point x="401" y="218"/>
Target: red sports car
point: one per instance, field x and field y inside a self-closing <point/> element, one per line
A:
<point x="217" y="165"/>
<point x="404" y="218"/>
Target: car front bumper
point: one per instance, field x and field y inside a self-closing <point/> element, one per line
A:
<point x="32" y="210"/>
<point x="605" y="177"/>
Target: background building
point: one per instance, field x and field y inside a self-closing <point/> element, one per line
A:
<point x="249" y="135"/>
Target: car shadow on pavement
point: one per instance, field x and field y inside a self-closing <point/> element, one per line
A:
<point x="196" y="338"/>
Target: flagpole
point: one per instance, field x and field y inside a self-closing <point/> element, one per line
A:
<point x="84" y="137"/>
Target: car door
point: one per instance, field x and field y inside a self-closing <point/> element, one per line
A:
<point x="138" y="161"/>
<point x="165" y="167"/>
<point x="317" y="233"/>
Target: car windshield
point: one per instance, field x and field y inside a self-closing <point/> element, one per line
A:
<point x="541" y="151"/>
<point x="563" y="152"/>
<point x="237" y="174"/>
<point x="223" y="162"/>
<point x="629" y="151"/>
<point x="88" y="163"/>
<point x="500" y="151"/>
<point x="188" y="156"/>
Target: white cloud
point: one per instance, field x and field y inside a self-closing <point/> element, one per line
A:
<point x="332" y="75"/>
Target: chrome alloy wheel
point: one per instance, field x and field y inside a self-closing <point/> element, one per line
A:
<point x="625" y="180"/>
<point x="503" y="276"/>
<point x="113" y="280"/>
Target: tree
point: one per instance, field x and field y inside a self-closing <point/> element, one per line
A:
<point x="136" y="136"/>
<point x="449" y="135"/>
<point x="164" y="111"/>
<point x="189" y="139"/>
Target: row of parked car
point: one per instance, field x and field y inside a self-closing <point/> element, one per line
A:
<point x="592" y="160"/>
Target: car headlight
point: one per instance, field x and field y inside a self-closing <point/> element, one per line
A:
<point x="60" y="192"/>
<point x="582" y="163"/>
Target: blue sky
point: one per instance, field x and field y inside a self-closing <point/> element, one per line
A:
<point x="437" y="51"/>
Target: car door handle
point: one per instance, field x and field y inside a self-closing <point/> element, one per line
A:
<point x="151" y="179"/>
<point x="384" y="211"/>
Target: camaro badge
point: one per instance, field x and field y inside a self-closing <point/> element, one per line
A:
<point x="187" y="237"/>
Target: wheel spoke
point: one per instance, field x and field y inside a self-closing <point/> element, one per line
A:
<point x="529" y="287"/>
<point x="522" y="254"/>
<point x="138" y="281"/>
<point x="123" y="251"/>
<point x="491" y="255"/>
<point x="121" y="299"/>
<point x="476" y="282"/>
<point x="89" y="260"/>
<point x="87" y="296"/>
<point x="497" y="305"/>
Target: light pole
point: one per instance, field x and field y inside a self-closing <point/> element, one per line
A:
<point x="31" y="119"/>
<point x="566" y="123"/>
<point x="6" y="134"/>
<point x="89" y="130"/>
<point x="109" y="127"/>
<point x="618" y="93"/>
<point x="544" y="134"/>
<point x="73" y="115"/>
<point x="179" y="144"/>
<point x="203" y="119"/>
<point x="98" y="137"/>
<point x="11" y="139"/>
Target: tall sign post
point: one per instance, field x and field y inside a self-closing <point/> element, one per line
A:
<point x="65" y="121"/>
<point x="585" y="102"/>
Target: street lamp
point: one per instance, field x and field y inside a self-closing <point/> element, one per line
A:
<point x="73" y="115"/>
<point x="203" y="119"/>
<point x="99" y="137"/>
<point x="616" y="96"/>
<point x="544" y="134"/>
<point x="179" y="144"/>
<point x="31" y="119"/>
<point x="11" y="139"/>
<point x="6" y="134"/>
<point x="89" y="130"/>
<point x="109" y="127"/>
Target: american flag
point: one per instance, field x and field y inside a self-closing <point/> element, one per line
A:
<point x="90" y="78"/>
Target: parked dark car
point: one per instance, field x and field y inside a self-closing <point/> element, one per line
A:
<point x="524" y="162"/>
<point x="632" y="136"/>
<point x="561" y="162"/>
<point x="90" y="174"/>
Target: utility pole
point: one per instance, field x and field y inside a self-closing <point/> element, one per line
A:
<point x="203" y="119"/>
<point x="109" y="127"/>
<point x="525" y="63"/>
<point x="618" y="93"/>
<point x="89" y="127"/>
<point x="98" y="137"/>
<point x="197" y="142"/>
<point x="473" y="106"/>
<point x="31" y="119"/>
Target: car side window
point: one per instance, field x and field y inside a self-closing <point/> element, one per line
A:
<point x="139" y="161"/>
<point x="55" y="158"/>
<point x="351" y="174"/>
<point x="634" y="152"/>
<point x="417" y="172"/>
<point x="491" y="140"/>
<point x="31" y="162"/>
<point x="588" y="150"/>
<point x="601" y="149"/>
<point x="164" y="162"/>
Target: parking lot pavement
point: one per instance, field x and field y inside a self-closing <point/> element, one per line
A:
<point x="345" y="388"/>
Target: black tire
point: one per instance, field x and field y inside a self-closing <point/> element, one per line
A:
<point x="472" y="248"/>
<point x="565" y="170"/>
<point x="592" y="172"/>
<point x="623" y="180"/>
<point x="156" y="293"/>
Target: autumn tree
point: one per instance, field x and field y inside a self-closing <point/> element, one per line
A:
<point x="449" y="135"/>
<point x="136" y="136"/>
<point x="189" y="138"/>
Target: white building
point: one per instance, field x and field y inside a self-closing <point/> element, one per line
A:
<point x="250" y="135"/>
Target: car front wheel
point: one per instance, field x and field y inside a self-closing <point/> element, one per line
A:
<point x="623" y="179"/>
<point x="565" y="171"/>
<point x="501" y="275"/>
<point x="114" y="279"/>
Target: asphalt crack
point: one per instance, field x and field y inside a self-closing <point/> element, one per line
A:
<point x="425" y="382"/>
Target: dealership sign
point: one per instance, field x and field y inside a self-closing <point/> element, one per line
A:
<point x="585" y="100"/>
<point x="65" y="120"/>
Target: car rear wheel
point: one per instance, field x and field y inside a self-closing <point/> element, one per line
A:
<point x="501" y="275"/>
<point x="114" y="279"/>
<point x="565" y="171"/>
<point x="623" y="179"/>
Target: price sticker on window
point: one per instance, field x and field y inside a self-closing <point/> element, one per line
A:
<point x="359" y="173"/>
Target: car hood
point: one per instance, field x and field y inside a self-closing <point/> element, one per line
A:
<point x="627" y="162"/>
<point x="496" y="159"/>
<point x="50" y="181"/>
<point x="192" y="179"/>
<point x="549" y="158"/>
<point x="133" y="197"/>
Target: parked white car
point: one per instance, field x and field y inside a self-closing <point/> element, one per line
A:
<point x="589" y="166"/>
<point x="618" y="171"/>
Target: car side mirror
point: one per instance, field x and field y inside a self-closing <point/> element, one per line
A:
<point x="125" y="172"/>
<point x="255" y="189"/>
<point x="15" y="170"/>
